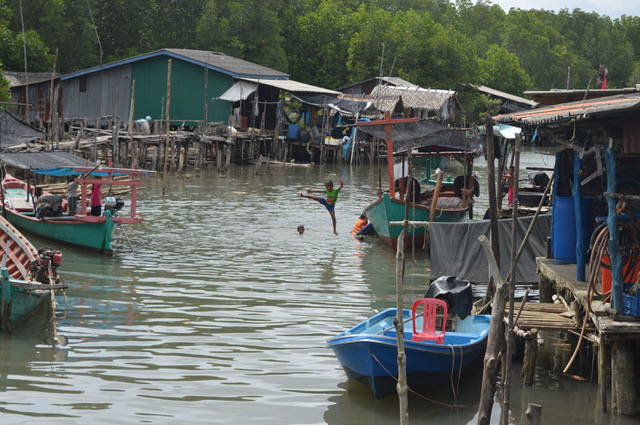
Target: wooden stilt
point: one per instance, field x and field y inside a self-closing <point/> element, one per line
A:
<point x="624" y="400"/>
<point x="604" y="372"/>
<point x="495" y="338"/>
<point x="534" y="414"/>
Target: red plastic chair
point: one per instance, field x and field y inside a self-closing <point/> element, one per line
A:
<point x="429" y="320"/>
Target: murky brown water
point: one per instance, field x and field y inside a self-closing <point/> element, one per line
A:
<point x="221" y="313"/>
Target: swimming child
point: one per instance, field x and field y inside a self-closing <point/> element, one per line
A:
<point x="360" y="224"/>
<point x="329" y="200"/>
<point x="300" y="229"/>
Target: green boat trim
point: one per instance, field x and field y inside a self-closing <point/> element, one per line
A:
<point x="72" y="230"/>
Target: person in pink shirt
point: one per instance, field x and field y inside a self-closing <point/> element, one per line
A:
<point x="96" y="200"/>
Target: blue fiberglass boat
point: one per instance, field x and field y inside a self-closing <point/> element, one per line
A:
<point x="368" y="352"/>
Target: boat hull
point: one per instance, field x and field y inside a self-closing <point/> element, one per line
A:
<point x="387" y="209"/>
<point x="372" y="358"/>
<point x="24" y="302"/>
<point x="91" y="234"/>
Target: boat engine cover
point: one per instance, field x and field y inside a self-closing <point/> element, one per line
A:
<point x="456" y="292"/>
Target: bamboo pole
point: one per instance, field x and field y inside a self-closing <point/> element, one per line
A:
<point x="166" y="145"/>
<point x="402" y="386"/>
<point x="131" y="113"/>
<point x="493" y="212"/>
<point x="436" y="194"/>
<point x="495" y="338"/>
<point x="512" y="288"/>
<point x="51" y="104"/>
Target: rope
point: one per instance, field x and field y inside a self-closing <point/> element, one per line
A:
<point x="420" y="395"/>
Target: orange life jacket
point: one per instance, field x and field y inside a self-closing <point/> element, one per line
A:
<point x="359" y="225"/>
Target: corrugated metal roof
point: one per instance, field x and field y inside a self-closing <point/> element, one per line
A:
<point x="412" y="97"/>
<point x="215" y="61"/>
<point x="21" y="78"/>
<point x="504" y="95"/>
<point x="579" y="110"/>
<point x="556" y="96"/>
<point x="399" y="82"/>
<point x="293" y="86"/>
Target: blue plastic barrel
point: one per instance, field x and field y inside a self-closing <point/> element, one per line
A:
<point x="564" y="227"/>
<point x="293" y="131"/>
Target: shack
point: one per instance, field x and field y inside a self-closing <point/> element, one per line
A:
<point x="594" y="233"/>
<point x="103" y="94"/>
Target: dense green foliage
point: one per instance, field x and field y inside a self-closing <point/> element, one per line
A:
<point x="332" y="43"/>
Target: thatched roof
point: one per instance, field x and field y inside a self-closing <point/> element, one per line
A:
<point x="439" y="102"/>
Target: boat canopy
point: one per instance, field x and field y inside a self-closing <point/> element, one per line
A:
<point x="344" y="106"/>
<point x="38" y="161"/>
<point x="61" y="163"/>
<point x="424" y="133"/>
<point x="14" y="131"/>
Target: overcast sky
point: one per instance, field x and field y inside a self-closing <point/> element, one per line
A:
<point x="612" y="8"/>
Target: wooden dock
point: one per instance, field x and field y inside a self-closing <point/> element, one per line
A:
<point x="546" y="317"/>
<point x="613" y="337"/>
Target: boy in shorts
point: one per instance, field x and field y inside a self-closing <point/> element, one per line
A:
<point x="329" y="200"/>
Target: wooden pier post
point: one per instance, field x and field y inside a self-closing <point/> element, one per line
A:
<point x="624" y="400"/>
<point x="495" y="338"/>
<point x="578" y="205"/>
<point x="534" y="414"/>
<point x="604" y="372"/>
<point x="493" y="211"/>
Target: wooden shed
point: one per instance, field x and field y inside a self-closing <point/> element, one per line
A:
<point x="197" y="79"/>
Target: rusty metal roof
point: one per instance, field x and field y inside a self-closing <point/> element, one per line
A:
<point x="582" y="110"/>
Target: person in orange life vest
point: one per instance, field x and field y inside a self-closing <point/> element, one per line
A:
<point x="329" y="200"/>
<point x="360" y="224"/>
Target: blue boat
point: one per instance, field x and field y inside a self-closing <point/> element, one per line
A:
<point x="368" y="352"/>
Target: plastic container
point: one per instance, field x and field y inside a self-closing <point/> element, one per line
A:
<point x="293" y="131"/>
<point x="631" y="304"/>
<point x="606" y="273"/>
<point x="564" y="228"/>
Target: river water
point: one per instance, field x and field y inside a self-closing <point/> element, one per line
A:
<point x="220" y="315"/>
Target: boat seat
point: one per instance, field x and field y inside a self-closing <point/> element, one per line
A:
<point x="430" y="308"/>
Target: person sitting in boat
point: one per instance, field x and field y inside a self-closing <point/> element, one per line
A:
<point x="96" y="200"/>
<point x="403" y="183"/>
<point x="72" y="194"/>
<point x="360" y="224"/>
<point x="37" y="194"/>
<point x="510" y="179"/>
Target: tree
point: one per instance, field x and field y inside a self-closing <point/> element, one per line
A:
<point x="501" y="70"/>
<point x="248" y="29"/>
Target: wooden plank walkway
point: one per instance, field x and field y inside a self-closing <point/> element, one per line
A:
<point x="544" y="317"/>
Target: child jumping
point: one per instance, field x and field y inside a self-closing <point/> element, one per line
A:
<point x="329" y="200"/>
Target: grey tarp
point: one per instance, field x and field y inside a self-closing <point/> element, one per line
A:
<point x="42" y="160"/>
<point x="14" y="131"/>
<point x="423" y="133"/>
<point x="455" y="250"/>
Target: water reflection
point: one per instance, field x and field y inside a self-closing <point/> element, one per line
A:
<point x="221" y="313"/>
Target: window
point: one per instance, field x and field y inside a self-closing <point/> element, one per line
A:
<point x="83" y="84"/>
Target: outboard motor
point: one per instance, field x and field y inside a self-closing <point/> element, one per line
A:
<point x="44" y="268"/>
<point x="113" y="205"/>
<point x="49" y="206"/>
<point x="456" y="292"/>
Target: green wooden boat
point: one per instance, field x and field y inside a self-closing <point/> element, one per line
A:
<point x="430" y="144"/>
<point x="386" y="209"/>
<point x="28" y="277"/>
<point x="81" y="229"/>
